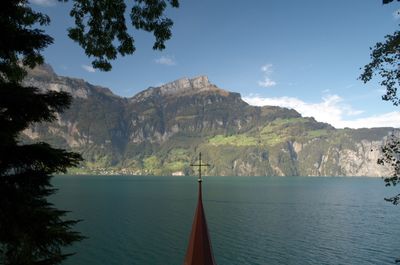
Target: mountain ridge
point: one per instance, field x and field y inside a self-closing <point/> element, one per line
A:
<point x="161" y="129"/>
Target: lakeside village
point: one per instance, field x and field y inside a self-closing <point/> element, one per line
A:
<point x="114" y="171"/>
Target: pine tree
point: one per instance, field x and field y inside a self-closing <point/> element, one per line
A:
<point x="32" y="230"/>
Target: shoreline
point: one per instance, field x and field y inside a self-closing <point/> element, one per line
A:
<point x="207" y="176"/>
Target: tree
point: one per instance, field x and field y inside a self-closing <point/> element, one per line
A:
<point x="385" y="63"/>
<point x="32" y="230"/>
<point x="102" y="32"/>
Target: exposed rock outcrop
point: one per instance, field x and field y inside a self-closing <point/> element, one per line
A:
<point x="161" y="129"/>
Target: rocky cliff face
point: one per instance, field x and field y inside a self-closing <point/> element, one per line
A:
<point x="161" y="129"/>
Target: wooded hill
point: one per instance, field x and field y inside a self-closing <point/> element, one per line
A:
<point x="161" y="130"/>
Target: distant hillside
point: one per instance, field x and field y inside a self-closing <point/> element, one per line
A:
<point x="161" y="130"/>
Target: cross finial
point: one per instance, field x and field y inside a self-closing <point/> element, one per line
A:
<point x="199" y="165"/>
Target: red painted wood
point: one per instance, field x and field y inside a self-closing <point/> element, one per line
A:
<point x="199" y="251"/>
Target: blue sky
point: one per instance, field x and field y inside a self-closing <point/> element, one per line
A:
<point x="300" y="54"/>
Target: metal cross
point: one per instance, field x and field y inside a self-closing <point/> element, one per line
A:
<point x="200" y="165"/>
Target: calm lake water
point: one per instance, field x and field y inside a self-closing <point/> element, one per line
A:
<point x="253" y="220"/>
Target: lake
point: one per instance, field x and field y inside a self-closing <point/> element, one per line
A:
<point x="252" y="220"/>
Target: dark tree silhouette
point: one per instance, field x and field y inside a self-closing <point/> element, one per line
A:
<point x="102" y="32"/>
<point x="32" y="230"/>
<point x="391" y="157"/>
<point x="388" y="1"/>
<point x="385" y="63"/>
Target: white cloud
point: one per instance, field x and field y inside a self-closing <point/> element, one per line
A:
<point x="166" y="60"/>
<point x="326" y="91"/>
<point x="44" y="2"/>
<point x="267" y="82"/>
<point x="267" y="71"/>
<point x="390" y="119"/>
<point x="88" y="68"/>
<point x="331" y="110"/>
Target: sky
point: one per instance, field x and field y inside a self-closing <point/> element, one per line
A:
<point x="304" y="55"/>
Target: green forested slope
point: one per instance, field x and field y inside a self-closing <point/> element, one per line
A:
<point x="162" y="129"/>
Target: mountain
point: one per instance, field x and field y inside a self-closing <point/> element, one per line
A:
<point x="161" y="130"/>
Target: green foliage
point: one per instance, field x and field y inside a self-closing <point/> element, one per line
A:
<point x="177" y="159"/>
<point x="290" y="129"/>
<point x="317" y="133"/>
<point x="152" y="165"/>
<point x="385" y="61"/>
<point x="221" y="158"/>
<point x="271" y="136"/>
<point x="101" y="30"/>
<point x="235" y="140"/>
<point x="289" y="121"/>
<point x="175" y="166"/>
<point x="120" y="136"/>
<point x="388" y="1"/>
<point x="391" y="157"/>
<point x="178" y="154"/>
<point x="20" y="40"/>
<point x="99" y="161"/>
<point x="32" y="230"/>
